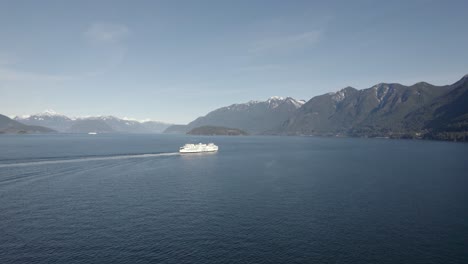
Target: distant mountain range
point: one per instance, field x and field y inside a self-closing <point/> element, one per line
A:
<point x="100" y="124"/>
<point x="90" y="125"/>
<point x="389" y="110"/>
<point x="253" y="117"/>
<point x="49" y="119"/>
<point x="9" y="126"/>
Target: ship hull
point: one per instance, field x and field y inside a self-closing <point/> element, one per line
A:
<point x="197" y="151"/>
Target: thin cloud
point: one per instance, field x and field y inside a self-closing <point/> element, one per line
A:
<point x="13" y="75"/>
<point x="106" y="33"/>
<point x="286" y="42"/>
<point x="108" y="36"/>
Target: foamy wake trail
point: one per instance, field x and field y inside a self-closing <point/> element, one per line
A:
<point x="45" y="162"/>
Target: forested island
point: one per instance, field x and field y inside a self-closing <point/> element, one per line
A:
<point x="217" y="131"/>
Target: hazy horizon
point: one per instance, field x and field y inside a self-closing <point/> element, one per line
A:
<point x="173" y="61"/>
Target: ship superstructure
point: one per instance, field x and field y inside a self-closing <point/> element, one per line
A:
<point x="196" y="148"/>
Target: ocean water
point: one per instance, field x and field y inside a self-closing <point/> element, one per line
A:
<point x="134" y="199"/>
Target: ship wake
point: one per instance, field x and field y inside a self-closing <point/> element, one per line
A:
<point x="86" y="159"/>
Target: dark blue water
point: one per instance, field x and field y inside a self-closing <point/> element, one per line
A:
<point x="116" y="199"/>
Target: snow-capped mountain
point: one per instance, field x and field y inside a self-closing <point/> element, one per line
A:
<point x="62" y="123"/>
<point x="253" y="117"/>
<point x="120" y="125"/>
<point x="48" y="118"/>
<point x="270" y="103"/>
<point x="130" y="125"/>
<point x="10" y="126"/>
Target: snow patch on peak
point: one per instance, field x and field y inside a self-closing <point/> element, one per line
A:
<point x="49" y="112"/>
<point x="380" y="91"/>
<point x="275" y="98"/>
<point x="41" y="116"/>
<point x="21" y="117"/>
<point x="136" y="120"/>
<point x="108" y="117"/>
<point x="251" y="102"/>
<point x="296" y="103"/>
<point x="129" y="119"/>
<point x="339" y="96"/>
<point x="380" y="85"/>
<point x="274" y="101"/>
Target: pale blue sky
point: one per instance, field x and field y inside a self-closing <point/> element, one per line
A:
<point x="176" y="60"/>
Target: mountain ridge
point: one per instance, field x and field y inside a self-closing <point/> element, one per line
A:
<point x="63" y="123"/>
<point x="385" y="109"/>
<point x="10" y="126"/>
<point x="253" y="117"/>
<point x="420" y="110"/>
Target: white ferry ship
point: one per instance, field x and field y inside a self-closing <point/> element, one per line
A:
<point x="197" y="148"/>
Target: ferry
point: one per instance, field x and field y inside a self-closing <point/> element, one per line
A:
<point x="197" y="148"/>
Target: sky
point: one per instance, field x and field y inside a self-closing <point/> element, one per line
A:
<point x="176" y="60"/>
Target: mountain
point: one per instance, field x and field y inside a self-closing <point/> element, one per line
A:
<point x="48" y="118"/>
<point x="218" y="131"/>
<point x="62" y="123"/>
<point x="119" y="125"/>
<point x="391" y="110"/>
<point x="176" y="129"/>
<point x="8" y="125"/>
<point x="155" y="126"/>
<point x="386" y="109"/>
<point x="90" y="125"/>
<point x="254" y="117"/>
<point x="446" y="117"/>
<point x="125" y="125"/>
